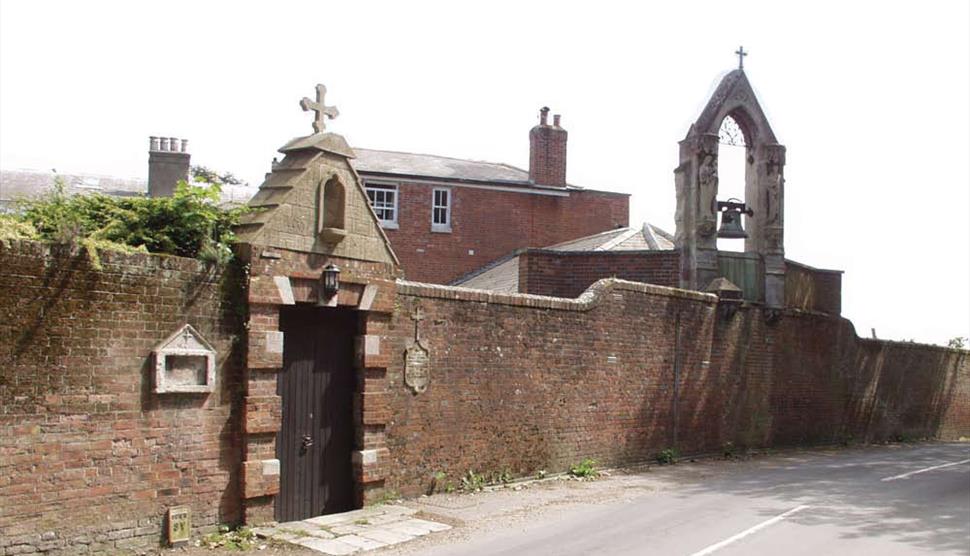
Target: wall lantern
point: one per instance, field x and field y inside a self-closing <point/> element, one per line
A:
<point x="331" y="280"/>
<point x="731" y="211"/>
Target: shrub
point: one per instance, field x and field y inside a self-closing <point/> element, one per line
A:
<point x="226" y="538"/>
<point x="472" y="482"/>
<point x="585" y="469"/>
<point x="188" y="224"/>
<point x="667" y="456"/>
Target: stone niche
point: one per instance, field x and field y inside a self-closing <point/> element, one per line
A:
<point x="184" y="363"/>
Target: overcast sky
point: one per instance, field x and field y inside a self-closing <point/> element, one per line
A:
<point x="872" y="100"/>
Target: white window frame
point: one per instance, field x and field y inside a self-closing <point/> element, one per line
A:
<point x="394" y="205"/>
<point x="446" y="225"/>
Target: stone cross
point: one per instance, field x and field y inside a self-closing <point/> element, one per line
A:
<point x="184" y="339"/>
<point x="321" y="109"/>
<point x="417" y="316"/>
<point x="741" y="54"/>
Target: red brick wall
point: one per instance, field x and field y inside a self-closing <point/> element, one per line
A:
<point x="568" y="274"/>
<point x="813" y="289"/>
<point x="488" y="224"/>
<point x="524" y="383"/>
<point x="89" y="456"/>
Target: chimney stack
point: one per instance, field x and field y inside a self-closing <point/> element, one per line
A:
<point x="547" y="151"/>
<point x="168" y="162"/>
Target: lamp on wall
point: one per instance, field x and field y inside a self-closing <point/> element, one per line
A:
<point x="331" y="280"/>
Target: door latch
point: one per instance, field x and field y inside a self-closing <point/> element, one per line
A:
<point x="307" y="442"/>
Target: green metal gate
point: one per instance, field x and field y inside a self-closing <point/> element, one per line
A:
<point x="746" y="271"/>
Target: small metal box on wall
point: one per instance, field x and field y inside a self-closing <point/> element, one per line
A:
<point x="179" y="524"/>
<point x="184" y="363"/>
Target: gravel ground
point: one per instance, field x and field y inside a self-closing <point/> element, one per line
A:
<point x="271" y="549"/>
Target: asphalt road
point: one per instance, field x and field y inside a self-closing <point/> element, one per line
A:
<point x="911" y="499"/>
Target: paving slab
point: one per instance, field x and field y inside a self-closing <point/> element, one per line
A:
<point x="408" y="529"/>
<point x="386" y="536"/>
<point x="386" y="518"/>
<point x="327" y="546"/>
<point x="361" y="542"/>
<point x="354" y="531"/>
<point x="348" y="529"/>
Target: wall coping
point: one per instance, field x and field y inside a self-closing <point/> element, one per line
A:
<point x="589" y="299"/>
<point x="913" y="345"/>
<point x="588" y="252"/>
<point x="812" y="268"/>
<point x="148" y="261"/>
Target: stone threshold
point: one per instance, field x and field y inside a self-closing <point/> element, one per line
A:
<point x="354" y="531"/>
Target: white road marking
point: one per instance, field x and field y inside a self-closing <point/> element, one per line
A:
<point x="918" y="471"/>
<point x="714" y="547"/>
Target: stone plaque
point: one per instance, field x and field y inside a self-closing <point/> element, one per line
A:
<point x="179" y="524"/>
<point x="184" y="362"/>
<point x="417" y="367"/>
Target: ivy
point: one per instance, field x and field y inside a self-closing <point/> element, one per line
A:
<point x="190" y="223"/>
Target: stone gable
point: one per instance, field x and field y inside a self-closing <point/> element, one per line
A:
<point x="291" y="206"/>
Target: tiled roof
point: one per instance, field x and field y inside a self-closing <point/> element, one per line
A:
<point x="503" y="275"/>
<point x="432" y="166"/>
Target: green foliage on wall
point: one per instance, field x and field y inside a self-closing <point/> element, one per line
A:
<point x="189" y="224"/>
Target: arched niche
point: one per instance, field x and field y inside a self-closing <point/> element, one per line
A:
<point x="735" y="161"/>
<point x="331" y="209"/>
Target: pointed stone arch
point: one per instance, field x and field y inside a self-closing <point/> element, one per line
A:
<point x="764" y="188"/>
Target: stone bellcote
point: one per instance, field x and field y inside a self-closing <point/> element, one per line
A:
<point x="697" y="190"/>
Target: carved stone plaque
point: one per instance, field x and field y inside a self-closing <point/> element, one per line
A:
<point x="417" y="367"/>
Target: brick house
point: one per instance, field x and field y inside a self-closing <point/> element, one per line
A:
<point x="641" y="254"/>
<point x="446" y="217"/>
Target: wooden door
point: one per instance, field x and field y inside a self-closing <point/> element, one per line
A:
<point x="317" y="434"/>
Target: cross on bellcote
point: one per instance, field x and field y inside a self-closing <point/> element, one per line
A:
<point x="741" y="54"/>
<point x="320" y="108"/>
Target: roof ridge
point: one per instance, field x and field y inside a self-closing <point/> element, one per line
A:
<point x="80" y="174"/>
<point x="590" y="236"/>
<point x="442" y="156"/>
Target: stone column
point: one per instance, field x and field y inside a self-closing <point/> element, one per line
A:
<point x="696" y="235"/>
<point x="765" y="193"/>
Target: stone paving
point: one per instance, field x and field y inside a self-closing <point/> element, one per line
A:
<point x="354" y="531"/>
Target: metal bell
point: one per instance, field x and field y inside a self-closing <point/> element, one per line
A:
<point x="731" y="211"/>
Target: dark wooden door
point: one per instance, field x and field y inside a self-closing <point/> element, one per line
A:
<point x="317" y="435"/>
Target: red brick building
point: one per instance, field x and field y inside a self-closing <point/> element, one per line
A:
<point x="446" y="217"/>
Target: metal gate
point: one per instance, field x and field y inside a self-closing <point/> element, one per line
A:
<point x="746" y="271"/>
<point x="317" y="435"/>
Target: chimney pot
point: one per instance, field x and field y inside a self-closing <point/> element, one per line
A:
<point x="547" y="151"/>
<point x="168" y="162"/>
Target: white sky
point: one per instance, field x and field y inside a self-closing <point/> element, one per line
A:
<point x="872" y="100"/>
